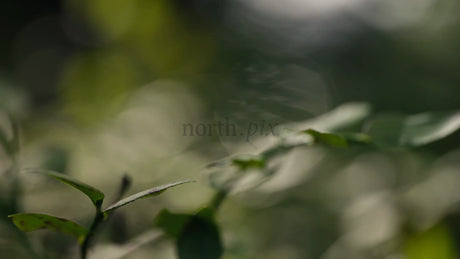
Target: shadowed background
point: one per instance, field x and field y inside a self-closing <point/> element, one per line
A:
<point x="103" y="88"/>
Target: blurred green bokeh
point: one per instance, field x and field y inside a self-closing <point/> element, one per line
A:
<point x="103" y="88"/>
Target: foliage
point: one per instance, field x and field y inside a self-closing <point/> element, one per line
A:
<point x="197" y="235"/>
<point x="31" y="221"/>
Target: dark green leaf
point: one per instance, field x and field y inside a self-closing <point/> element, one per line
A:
<point x="327" y="138"/>
<point x="94" y="194"/>
<point x="27" y="222"/>
<point x="147" y="193"/>
<point x="200" y="239"/>
<point x="172" y="223"/>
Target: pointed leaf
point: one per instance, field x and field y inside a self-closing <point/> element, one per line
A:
<point x="94" y="194"/>
<point x="327" y="138"/>
<point x="27" y="222"/>
<point x="147" y="193"/>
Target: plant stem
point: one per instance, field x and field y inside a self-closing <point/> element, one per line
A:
<point x="98" y="218"/>
<point x="218" y="199"/>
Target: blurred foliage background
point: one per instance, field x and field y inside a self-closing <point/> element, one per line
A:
<point x="103" y="88"/>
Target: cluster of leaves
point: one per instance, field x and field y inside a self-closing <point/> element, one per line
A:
<point x="31" y="221"/>
<point x="345" y="126"/>
<point x="197" y="235"/>
<point x="348" y="126"/>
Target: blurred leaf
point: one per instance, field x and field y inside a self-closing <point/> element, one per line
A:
<point x="94" y="194"/>
<point x="144" y="194"/>
<point x="327" y="138"/>
<point x="432" y="243"/>
<point x="27" y="222"/>
<point x="198" y="235"/>
<point x="10" y="146"/>
<point x="200" y="238"/>
<point x="244" y="163"/>
<point x="425" y="128"/>
<point x="171" y="223"/>
<point x="359" y="138"/>
<point x="413" y="131"/>
<point x="342" y="117"/>
<point x="15" y="128"/>
<point x="386" y="130"/>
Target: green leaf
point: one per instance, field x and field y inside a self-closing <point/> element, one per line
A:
<point x="200" y="239"/>
<point x="357" y="138"/>
<point x="147" y="193"/>
<point x="96" y="196"/>
<point x="327" y="138"/>
<point x="245" y="163"/>
<point x="171" y="223"/>
<point x="27" y="222"/>
<point x="197" y="236"/>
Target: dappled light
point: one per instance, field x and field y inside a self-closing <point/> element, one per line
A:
<point x="230" y="129"/>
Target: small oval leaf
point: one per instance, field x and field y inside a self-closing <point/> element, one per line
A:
<point x="147" y="193"/>
<point x="27" y="222"/>
<point x="96" y="196"/>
